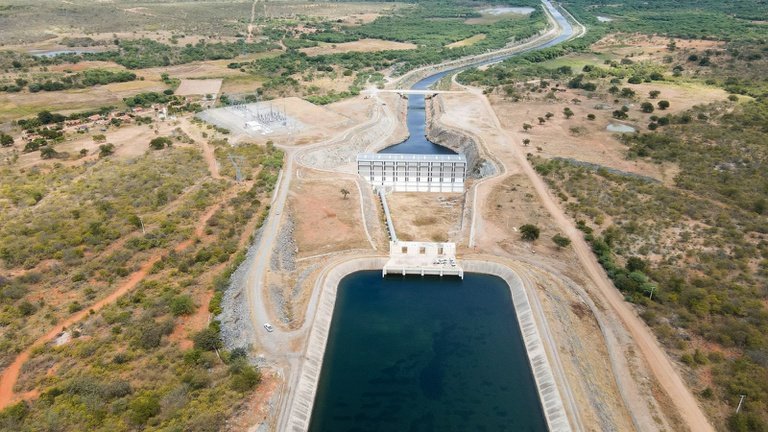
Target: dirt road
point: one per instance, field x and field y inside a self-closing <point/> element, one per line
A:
<point x="658" y="362"/>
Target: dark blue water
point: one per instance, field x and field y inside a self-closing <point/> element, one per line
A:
<point x="417" y="142"/>
<point x="426" y="355"/>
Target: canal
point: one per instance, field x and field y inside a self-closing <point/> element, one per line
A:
<point x="416" y="119"/>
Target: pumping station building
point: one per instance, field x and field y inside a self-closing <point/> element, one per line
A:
<point x="414" y="172"/>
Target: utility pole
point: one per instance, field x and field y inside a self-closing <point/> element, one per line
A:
<point x="738" y="408"/>
<point x="653" y="287"/>
<point x="143" y="231"/>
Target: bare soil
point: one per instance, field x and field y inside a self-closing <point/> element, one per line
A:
<point x="426" y="216"/>
<point x="325" y="221"/>
<point x="199" y="87"/>
<point x="362" y="45"/>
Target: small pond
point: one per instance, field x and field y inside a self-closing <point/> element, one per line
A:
<point x="620" y="128"/>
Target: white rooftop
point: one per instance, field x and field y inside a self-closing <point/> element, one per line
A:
<point x="411" y="157"/>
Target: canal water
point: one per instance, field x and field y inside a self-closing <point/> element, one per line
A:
<point x="416" y="120"/>
<point x="427" y="355"/>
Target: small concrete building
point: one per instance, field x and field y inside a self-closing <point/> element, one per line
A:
<point x="422" y="258"/>
<point x="414" y="172"/>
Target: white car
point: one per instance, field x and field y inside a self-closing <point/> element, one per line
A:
<point x="269" y="327"/>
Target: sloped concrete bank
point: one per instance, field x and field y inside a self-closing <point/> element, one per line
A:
<point x="549" y="395"/>
<point x="458" y="140"/>
<point x="299" y="408"/>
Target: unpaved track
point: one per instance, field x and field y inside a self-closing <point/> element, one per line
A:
<point x="249" y="31"/>
<point x="208" y="152"/>
<point x="658" y="362"/>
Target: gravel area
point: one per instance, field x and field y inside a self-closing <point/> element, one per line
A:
<point x="301" y="278"/>
<point x="236" y="328"/>
<point x="284" y="256"/>
<point x="345" y="151"/>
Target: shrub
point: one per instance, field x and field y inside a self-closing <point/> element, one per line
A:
<point x="529" y="232"/>
<point x="208" y="339"/>
<point x="5" y="140"/>
<point x="160" y="143"/>
<point x="561" y="241"/>
<point x="182" y="305"/>
<point x="243" y="377"/>
<point x="143" y="407"/>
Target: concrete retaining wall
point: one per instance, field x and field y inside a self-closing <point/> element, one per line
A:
<point x="300" y="408"/>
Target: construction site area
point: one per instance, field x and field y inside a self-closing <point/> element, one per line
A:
<point x="327" y="221"/>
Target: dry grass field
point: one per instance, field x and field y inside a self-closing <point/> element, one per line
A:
<point x="362" y="45"/>
<point x="426" y="217"/>
<point x="325" y="220"/>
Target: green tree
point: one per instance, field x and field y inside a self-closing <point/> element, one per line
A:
<point x="48" y="152"/>
<point x="344" y="193"/>
<point x="567" y="112"/>
<point x="663" y="104"/>
<point x="619" y="114"/>
<point x="561" y="241"/>
<point x="160" y="143"/>
<point x="527" y="127"/>
<point x="106" y="150"/>
<point x="549" y="115"/>
<point x="529" y="232"/>
<point x="646" y="107"/>
<point x="654" y="94"/>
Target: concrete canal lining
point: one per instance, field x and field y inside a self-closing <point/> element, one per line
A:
<point x="300" y="407"/>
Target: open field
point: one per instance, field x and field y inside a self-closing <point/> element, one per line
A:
<point x="42" y="23"/>
<point x="466" y="42"/>
<point x="325" y="220"/>
<point x="491" y="15"/>
<point x="588" y="140"/>
<point x="426" y="216"/>
<point x="199" y="87"/>
<point x="362" y="45"/>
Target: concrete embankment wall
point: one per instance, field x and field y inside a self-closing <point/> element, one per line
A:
<point x="457" y="140"/>
<point x="300" y="407"/>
